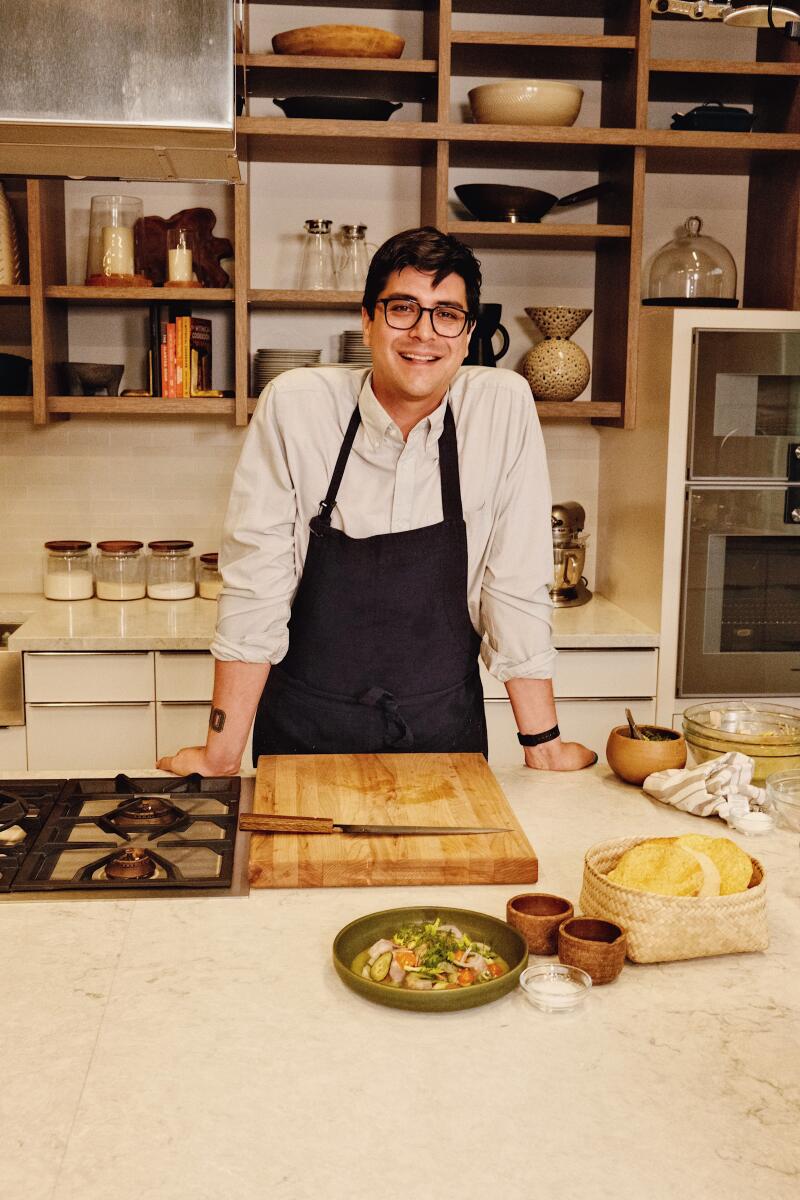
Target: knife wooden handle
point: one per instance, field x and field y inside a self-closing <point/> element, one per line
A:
<point x="276" y="823"/>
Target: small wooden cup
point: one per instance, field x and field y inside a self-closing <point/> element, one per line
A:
<point x="633" y="760"/>
<point x="537" y="916"/>
<point x="597" y="947"/>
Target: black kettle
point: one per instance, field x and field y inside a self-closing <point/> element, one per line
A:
<point x="481" y="350"/>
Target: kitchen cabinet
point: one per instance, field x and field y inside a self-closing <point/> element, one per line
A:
<point x="592" y="690"/>
<point x="123" y="708"/>
<point x="609" y="45"/>
<point x="13" y="748"/>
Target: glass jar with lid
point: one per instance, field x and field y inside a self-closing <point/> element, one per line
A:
<point x="209" y="580"/>
<point x="68" y="570"/>
<point x="120" y="571"/>
<point x="170" y="570"/>
<point x="693" y="269"/>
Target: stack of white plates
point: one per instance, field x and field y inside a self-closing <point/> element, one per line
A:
<point x="353" y="351"/>
<point x="271" y="362"/>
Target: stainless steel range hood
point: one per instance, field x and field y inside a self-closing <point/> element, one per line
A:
<point x="140" y="89"/>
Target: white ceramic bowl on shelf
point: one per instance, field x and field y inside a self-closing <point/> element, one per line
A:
<point x="526" y="102"/>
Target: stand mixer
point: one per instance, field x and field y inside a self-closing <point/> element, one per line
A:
<point x="569" y="553"/>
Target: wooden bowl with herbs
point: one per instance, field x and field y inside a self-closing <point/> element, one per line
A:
<point x="634" y="751"/>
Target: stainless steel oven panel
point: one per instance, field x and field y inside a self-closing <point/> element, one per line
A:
<point x="745" y="404"/>
<point x="739" y="529"/>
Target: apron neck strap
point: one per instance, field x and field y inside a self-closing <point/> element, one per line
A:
<point x="448" y="469"/>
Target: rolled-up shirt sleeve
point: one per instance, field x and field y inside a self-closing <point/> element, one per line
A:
<point x="257" y="559"/>
<point x="516" y="608"/>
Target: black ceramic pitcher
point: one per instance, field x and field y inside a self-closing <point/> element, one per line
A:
<point x="481" y="350"/>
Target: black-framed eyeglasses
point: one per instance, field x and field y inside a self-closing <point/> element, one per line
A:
<point x="446" y="319"/>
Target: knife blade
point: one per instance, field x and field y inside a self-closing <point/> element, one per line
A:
<point x="279" y="823"/>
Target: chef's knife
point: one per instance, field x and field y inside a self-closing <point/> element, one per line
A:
<point x="276" y="823"/>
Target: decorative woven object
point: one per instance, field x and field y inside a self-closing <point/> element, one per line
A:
<point x="10" y="266"/>
<point x="668" y="928"/>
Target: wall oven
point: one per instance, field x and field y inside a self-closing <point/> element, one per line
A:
<point x="740" y="603"/>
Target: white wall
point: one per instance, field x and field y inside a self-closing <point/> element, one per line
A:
<point x="145" y="478"/>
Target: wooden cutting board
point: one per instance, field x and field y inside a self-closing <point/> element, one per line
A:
<point x="387" y="789"/>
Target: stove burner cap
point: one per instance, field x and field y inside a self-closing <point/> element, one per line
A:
<point x="131" y="863"/>
<point x="147" y="811"/>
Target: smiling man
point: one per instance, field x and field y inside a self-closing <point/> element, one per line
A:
<point x="384" y="529"/>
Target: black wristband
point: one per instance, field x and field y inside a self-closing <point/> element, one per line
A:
<point x="536" y="739"/>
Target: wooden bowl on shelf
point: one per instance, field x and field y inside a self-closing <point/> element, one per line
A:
<point x="339" y="41"/>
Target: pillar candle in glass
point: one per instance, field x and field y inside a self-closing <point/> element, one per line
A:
<point x="179" y="256"/>
<point x="113" y="229"/>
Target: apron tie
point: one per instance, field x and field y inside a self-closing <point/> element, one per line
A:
<point x="379" y="698"/>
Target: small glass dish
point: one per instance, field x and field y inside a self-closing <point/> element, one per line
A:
<point x="783" y="797"/>
<point x="553" y="987"/>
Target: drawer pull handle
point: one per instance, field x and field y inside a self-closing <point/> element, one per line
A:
<point x="86" y="653"/>
<point x="185" y="703"/>
<point x="89" y="703"/>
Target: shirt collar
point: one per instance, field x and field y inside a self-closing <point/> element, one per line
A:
<point x="378" y="424"/>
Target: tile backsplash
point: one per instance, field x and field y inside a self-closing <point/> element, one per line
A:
<point x="97" y="478"/>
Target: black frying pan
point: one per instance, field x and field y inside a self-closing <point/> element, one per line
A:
<point x="499" y="202"/>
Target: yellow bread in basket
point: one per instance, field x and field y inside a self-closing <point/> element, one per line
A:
<point x="666" y="928"/>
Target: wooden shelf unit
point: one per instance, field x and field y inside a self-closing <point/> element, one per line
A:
<point x="622" y="149"/>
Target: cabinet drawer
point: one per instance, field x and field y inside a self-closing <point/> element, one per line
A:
<point x="593" y="673"/>
<point x="184" y="675"/>
<point x="180" y="724"/>
<point x="88" y="677"/>
<point x="586" y="721"/>
<point x="66" y="737"/>
<point x="13" y="753"/>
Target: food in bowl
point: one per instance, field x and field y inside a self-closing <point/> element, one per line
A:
<point x="767" y="733"/>
<point x="690" y="865"/>
<point x="429" y="956"/>
<point x="526" y="102"/>
<point x="633" y="759"/>
<point x="334" y="41"/>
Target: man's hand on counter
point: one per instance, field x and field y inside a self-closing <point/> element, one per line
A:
<point x="193" y="760"/>
<point x="559" y="756"/>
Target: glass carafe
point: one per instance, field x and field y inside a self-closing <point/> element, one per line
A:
<point x="354" y="258"/>
<point x="316" y="267"/>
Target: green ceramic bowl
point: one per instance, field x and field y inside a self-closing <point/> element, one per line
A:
<point x="360" y="934"/>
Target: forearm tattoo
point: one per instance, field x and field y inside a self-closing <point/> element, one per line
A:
<point x="217" y="720"/>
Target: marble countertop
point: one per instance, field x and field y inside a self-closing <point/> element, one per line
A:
<point x="189" y="625"/>
<point x="195" y="1048"/>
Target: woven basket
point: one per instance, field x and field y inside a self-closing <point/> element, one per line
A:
<point x="667" y="928"/>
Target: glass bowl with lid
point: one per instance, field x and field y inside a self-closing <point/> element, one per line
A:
<point x="693" y="269"/>
<point x="767" y="733"/>
<point x="120" y="570"/>
<point x="68" y="573"/>
<point x="170" y="570"/>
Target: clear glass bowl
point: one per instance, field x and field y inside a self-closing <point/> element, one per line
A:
<point x="767" y="733"/>
<point x="783" y="796"/>
<point x="554" y="987"/>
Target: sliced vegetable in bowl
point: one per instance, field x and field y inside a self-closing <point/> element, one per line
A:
<point x="430" y="959"/>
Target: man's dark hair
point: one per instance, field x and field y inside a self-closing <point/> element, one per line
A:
<point x="429" y="250"/>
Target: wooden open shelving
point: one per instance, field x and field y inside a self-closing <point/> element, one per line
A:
<point x="622" y="149"/>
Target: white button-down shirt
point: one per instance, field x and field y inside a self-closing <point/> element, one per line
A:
<point x="390" y="485"/>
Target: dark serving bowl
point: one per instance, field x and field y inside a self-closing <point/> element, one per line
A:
<point x="338" y="108"/>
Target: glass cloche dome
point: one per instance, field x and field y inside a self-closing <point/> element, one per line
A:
<point x="693" y="269"/>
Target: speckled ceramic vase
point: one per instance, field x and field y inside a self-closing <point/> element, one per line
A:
<point x="557" y="369"/>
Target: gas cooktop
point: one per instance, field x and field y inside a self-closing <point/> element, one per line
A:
<point x="104" y="834"/>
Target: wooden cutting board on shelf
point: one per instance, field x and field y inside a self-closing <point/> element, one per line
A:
<point x="399" y="789"/>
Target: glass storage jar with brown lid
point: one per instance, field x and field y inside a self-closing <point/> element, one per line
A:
<point x="68" y="570"/>
<point x="209" y="583"/>
<point x="120" y="571"/>
<point x="170" y="570"/>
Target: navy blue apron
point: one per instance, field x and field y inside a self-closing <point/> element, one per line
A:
<point x="382" y="653"/>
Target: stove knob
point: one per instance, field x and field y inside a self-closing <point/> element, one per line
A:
<point x="795" y="515"/>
